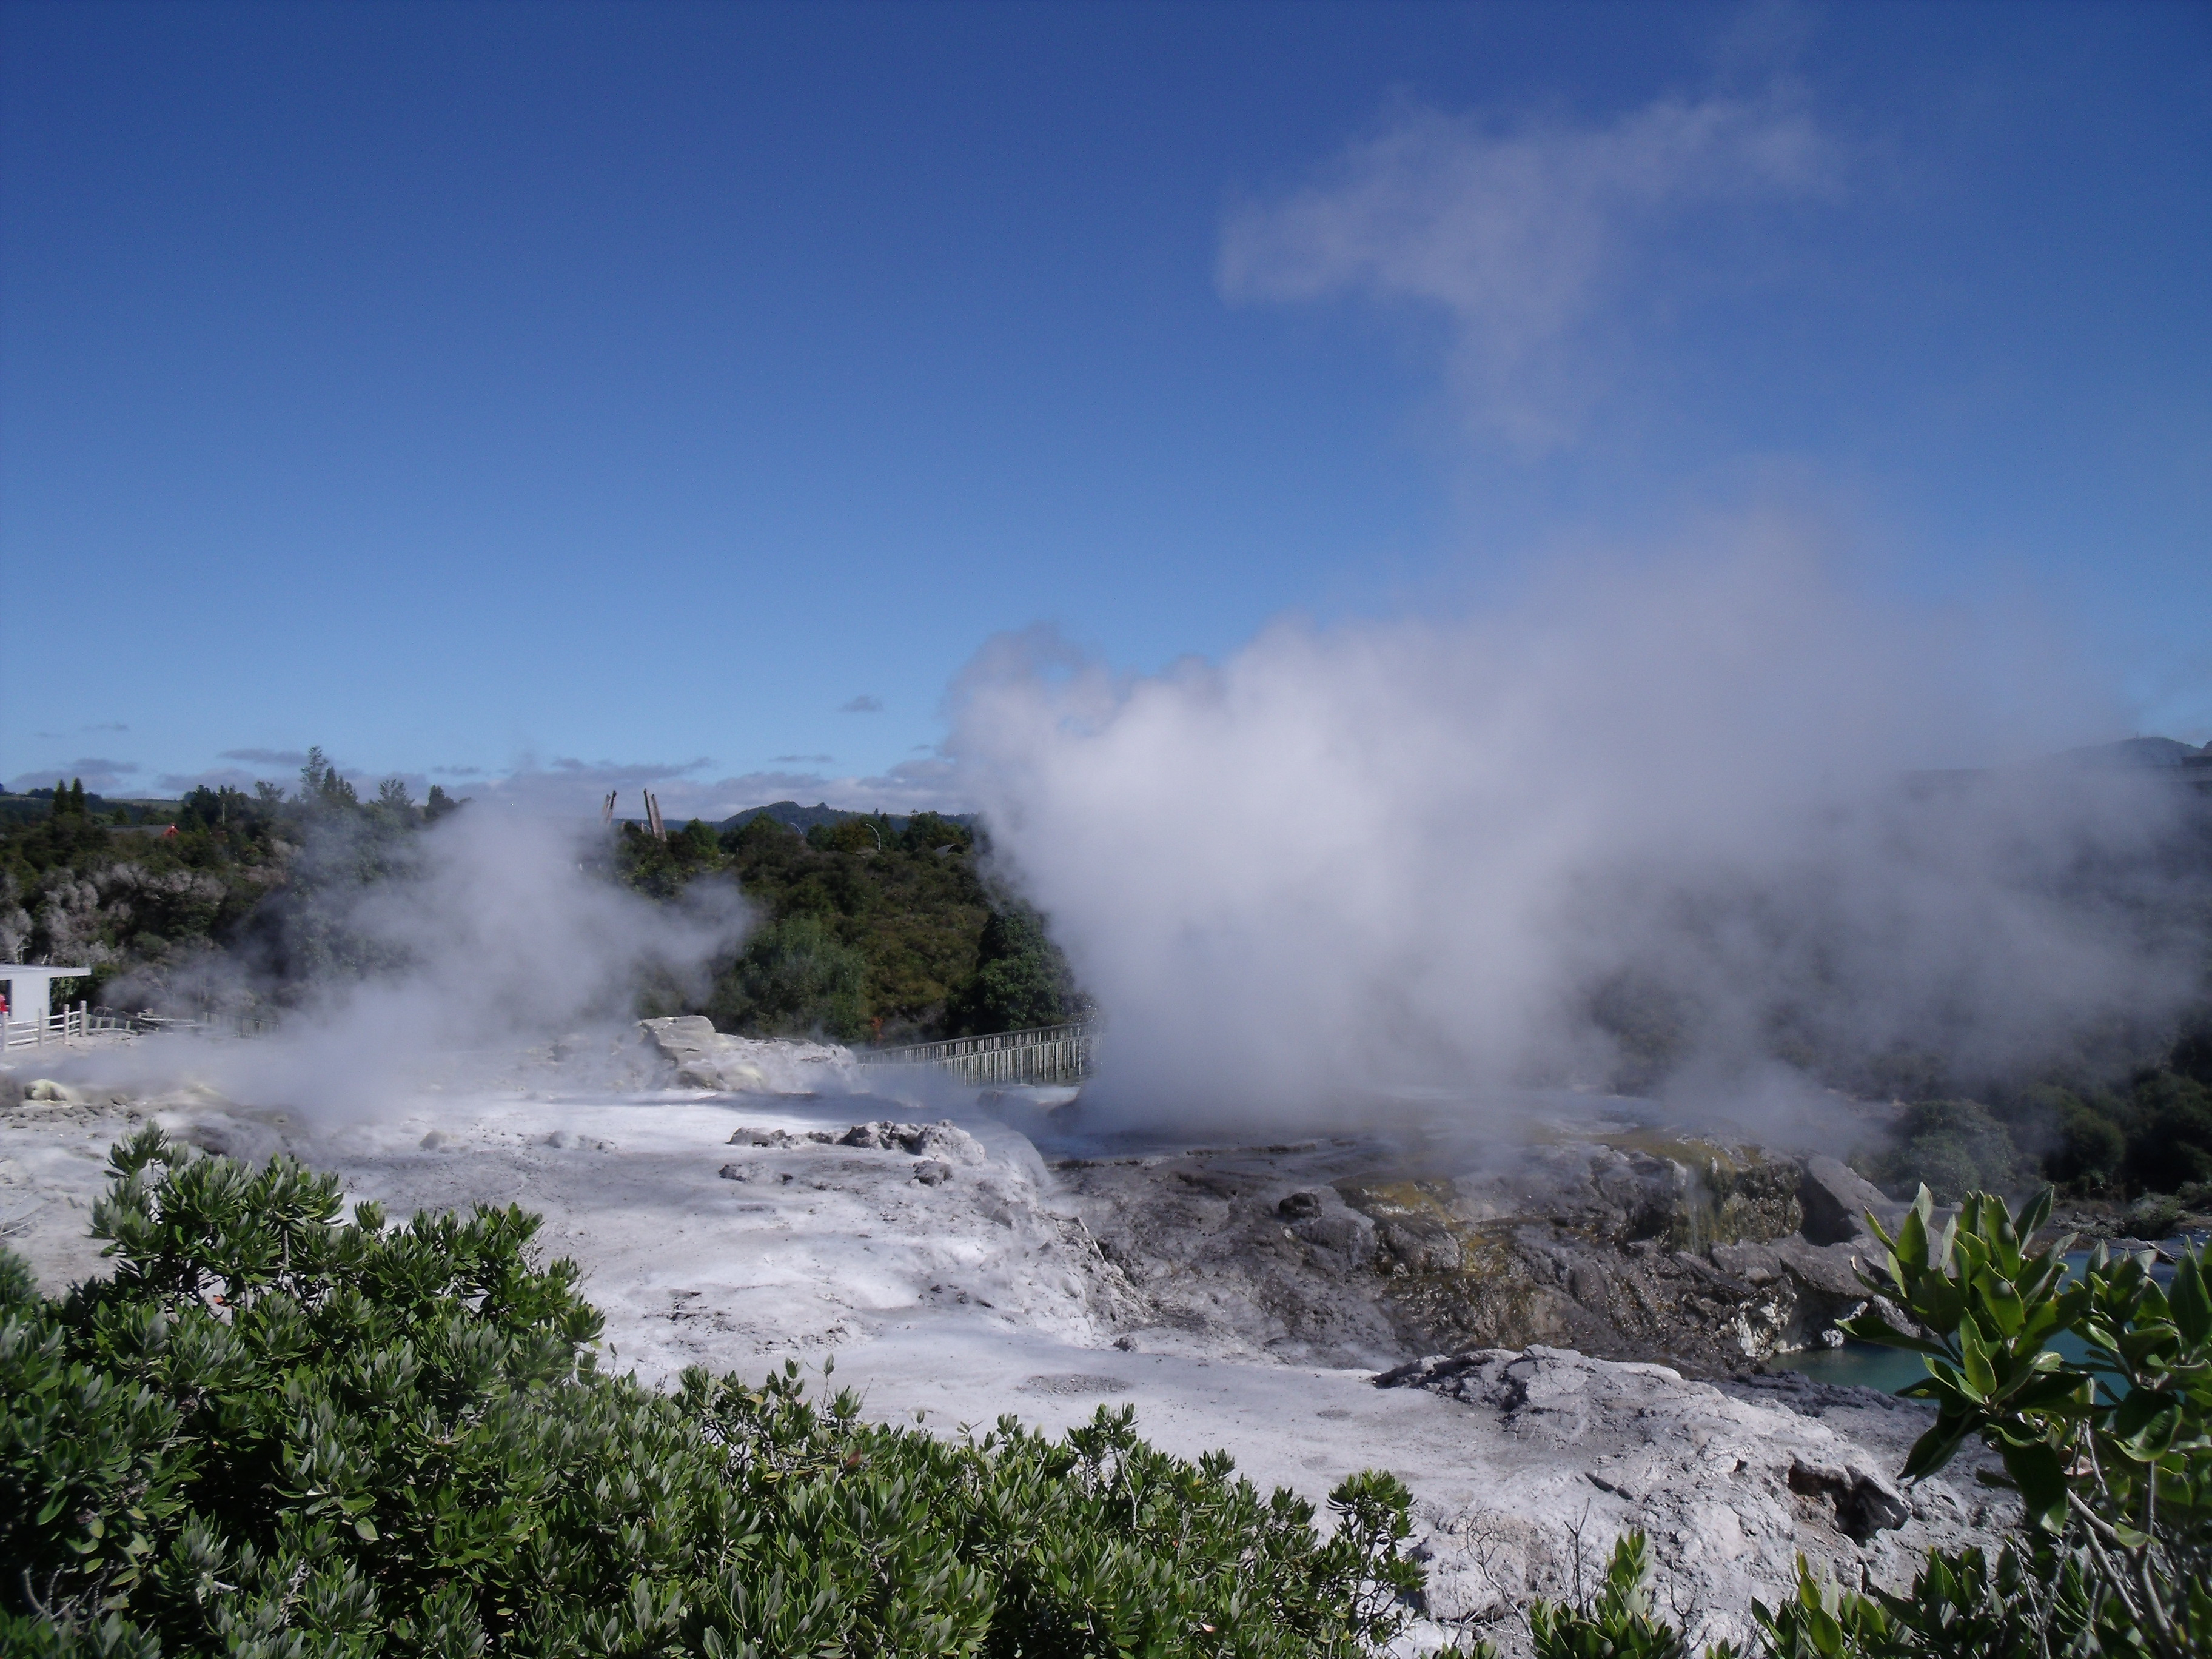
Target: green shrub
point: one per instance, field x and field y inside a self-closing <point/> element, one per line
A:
<point x="2112" y="1457"/>
<point x="796" y="978"/>
<point x="1953" y="1147"/>
<point x="272" y="1434"/>
<point x="2089" y="1148"/>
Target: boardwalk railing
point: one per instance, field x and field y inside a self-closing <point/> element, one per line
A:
<point x="74" y="1024"/>
<point x="69" y="1025"/>
<point x="1045" y="1053"/>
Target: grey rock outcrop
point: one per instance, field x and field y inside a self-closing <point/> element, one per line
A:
<point x="1836" y="1199"/>
<point x="1337" y="1252"/>
<point x="1727" y="1491"/>
<point x="691" y="1053"/>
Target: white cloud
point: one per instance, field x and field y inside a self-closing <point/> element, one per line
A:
<point x="1521" y="235"/>
<point x="101" y="776"/>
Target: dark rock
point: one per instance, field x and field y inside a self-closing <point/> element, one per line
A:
<point x="1299" y="1206"/>
<point x="1836" y="1199"/>
<point x="931" y="1171"/>
<point x="1865" y="1504"/>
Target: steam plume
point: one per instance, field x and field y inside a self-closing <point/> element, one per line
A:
<point x="1432" y="850"/>
<point x="497" y="937"/>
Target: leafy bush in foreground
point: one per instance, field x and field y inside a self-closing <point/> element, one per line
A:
<point x="274" y="1434"/>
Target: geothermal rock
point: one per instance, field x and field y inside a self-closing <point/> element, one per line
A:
<point x="1727" y="1491"/>
<point x="1339" y="1252"/>
<point x="693" y="1054"/>
<point x="1836" y="1199"/>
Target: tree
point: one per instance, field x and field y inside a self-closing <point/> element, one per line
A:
<point x="77" y="796"/>
<point x="796" y="978"/>
<point x="392" y="795"/>
<point x="927" y="831"/>
<point x="1954" y="1146"/>
<point x="1021" y="980"/>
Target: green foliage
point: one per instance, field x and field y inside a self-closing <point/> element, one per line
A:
<point x="796" y="978"/>
<point x="915" y="917"/>
<point x="264" y="880"/>
<point x="2113" y="1457"/>
<point x="928" y="832"/>
<point x="1021" y="980"/>
<point x="1618" y="1623"/>
<point x="2089" y="1148"/>
<point x="274" y="1432"/>
<point x="1953" y="1147"/>
<point x="2173" y="1137"/>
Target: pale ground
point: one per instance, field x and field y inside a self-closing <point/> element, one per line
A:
<point x="983" y="1295"/>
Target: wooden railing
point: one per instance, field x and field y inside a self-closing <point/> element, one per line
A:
<point x="74" y="1024"/>
<point x="1044" y="1054"/>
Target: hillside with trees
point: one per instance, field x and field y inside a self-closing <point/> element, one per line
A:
<point x="871" y="927"/>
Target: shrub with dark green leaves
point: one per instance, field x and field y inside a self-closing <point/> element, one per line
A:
<point x="272" y="1433"/>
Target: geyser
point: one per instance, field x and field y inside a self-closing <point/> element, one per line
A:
<point x="1666" y="807"/>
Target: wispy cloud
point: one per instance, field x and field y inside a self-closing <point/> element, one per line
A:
<point x="802" y="760"/>
<point x="616" y="775"/>
<point x="101" y="776"/>
<point x="1524" y="235"/>
<point x="862" y="705"/>
<point x="292" y="757"/>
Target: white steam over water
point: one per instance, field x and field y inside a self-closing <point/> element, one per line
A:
<point x="1426" y="850"/>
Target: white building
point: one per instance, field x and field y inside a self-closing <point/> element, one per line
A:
<point x="30" y="991"/>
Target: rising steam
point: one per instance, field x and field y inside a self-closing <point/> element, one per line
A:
<point x="1456" y="851"/>
<point x="496" y="935"/>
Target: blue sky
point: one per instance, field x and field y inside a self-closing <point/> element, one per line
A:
<point x="591" y="395"/>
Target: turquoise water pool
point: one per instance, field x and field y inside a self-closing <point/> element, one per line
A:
<point x="1868" y="1365"/>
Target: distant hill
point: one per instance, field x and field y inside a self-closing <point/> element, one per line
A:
<point x="2138" y="752"/>
<point x="37" y="804"/>
<point x="803" y="818"/>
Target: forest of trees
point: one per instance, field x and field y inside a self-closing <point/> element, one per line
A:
<point x="870" y="928"/>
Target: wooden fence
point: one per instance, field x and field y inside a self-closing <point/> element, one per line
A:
<point x="1045" y="1053"/>
<point x="83" y="1021"/>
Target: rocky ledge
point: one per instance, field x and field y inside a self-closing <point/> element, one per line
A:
<point x="1727" y="1488"/>
<point x="1346" y="1252"/>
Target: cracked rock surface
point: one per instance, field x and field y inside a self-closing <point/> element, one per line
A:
<point x="1727" y="1489"/>
<point x="1352" y="1251"/>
